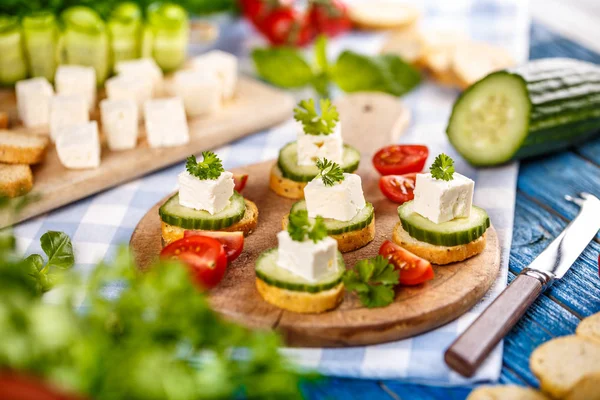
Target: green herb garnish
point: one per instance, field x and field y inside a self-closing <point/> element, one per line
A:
<point x="313" y="123"/>
<point x="330" y="172"/>
<point x="300" y="227"/>
<point x="442" y="168"/>
<point x="210" y="167"/>
<point x="373" y="280"/>
<point x="59" y="250"/>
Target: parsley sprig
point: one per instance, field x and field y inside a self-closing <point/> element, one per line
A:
<point x="313" y="123"/>
<point x="300" y="227"/>
<point x="442" y="168"/>
<point x="210" y="167"/>
<point x="373" y="280"/>
<point x="330" y="172"/>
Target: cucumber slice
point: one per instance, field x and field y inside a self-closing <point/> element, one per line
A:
<point x="268" y="270"/>
<point x="335" y="227"/>
<point x="174" y="213"/>
<point x="13" y="67"/>
<point x="169" y="26"/>
<point x="451" y="233"/>
<point x="125" y="27"/>
<point x="41" y="43"/>
<point x="288" y="163"/>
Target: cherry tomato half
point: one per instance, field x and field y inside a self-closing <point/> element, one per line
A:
<point x="240" y="181"/>
<point x="204" y="256"/>
<point x="233" y="242"/>
<point x="398" y="188"/>
<point x="287" y="26"/>
<point x="414" y="270"/>
<point x="400" y="159"/>
<point x="329" y="16"/>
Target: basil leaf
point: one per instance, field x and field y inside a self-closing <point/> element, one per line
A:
<point x="321" y="53"/>
<point x="34" y="263"/>
<point x="404" y="77"/>
<point x="282" y="66"/>
<point x="58" y="248"/>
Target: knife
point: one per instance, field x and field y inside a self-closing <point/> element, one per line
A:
<point x="471" y="348"/>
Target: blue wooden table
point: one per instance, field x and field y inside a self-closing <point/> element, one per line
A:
<point x="541" y="213"/>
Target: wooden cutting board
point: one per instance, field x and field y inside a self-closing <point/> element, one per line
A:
<point x="256" y="106"/>
<point x="368" y="120"/>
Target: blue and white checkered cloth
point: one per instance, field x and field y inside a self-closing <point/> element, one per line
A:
<point x="100" y="223"/>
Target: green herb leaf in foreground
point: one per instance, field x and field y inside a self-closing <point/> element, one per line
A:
<point x="282" y="66"/>
<point x="210" y="167"/>
<point x="330" y="172"/>
<point x="300" y="227"/>
<point x="442" y="168"/>
<point x="373" y="280"/>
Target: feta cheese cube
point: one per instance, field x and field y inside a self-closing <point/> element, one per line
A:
<point x="201" y="93"/>
<point x="306" y="259"/>
<point x="67" y="110"/>
<point x="77" y="79"/>
<point x="129" y="87"/>
<point x="165" y="122"/>
<point x="342" y="201"/>
<point x="120" y="123"/>
<point x="33" y="101"/>
<point x="441" y="201"/>
<point x="143" y="68"/>
<point x="224" y="65"/>
<point x="210" y="195"/>
<point x="78" y="146"/>
<point x="313" y="147"/>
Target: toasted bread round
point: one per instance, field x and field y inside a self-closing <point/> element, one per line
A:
<point x="586" y="388"/>
<point x="15" y="180"/>
<point x="406" y="43"/>
<point x="382" y="14"/>
<point x="285" y="187"/>
<point x="589" y="328"/>
<point x="301" y="302"/>
<point x="348" y="241"/>
<point x="22" y="148"/>
<point x="247" y="224"/>
<point x="471" y="61"/>
<point x="562" y="363"/>
<point x="508" y="392"/>
<point x="437" y="254"/>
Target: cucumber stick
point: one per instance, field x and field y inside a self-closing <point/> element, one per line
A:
<point x="125" y="26"/>
<point x="41" y="33"/>
<point x="166" y="35"/>
<point x="452" y="233"/>
<point x="175" y="214"/>
<point x="334" y="227"/>
<point x="288" y="163"/>
<point x="13" y="66"/>
<point x="540" y="107"/>
<point x="272" y="274"/>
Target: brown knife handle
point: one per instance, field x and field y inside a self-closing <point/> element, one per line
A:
<point x="471" y="348"/>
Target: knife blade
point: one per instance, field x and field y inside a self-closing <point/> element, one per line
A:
<point x="473" y="346"/>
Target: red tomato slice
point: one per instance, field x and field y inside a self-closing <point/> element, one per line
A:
<point x="414" y="270"/>
<point x="240" y="181"/>
<point x="400" y="159"/>
<point x="204" y="256"/>
<point x="398" y="188"/>
<point x="329" y="16"/>
<point x="233" y="242"/>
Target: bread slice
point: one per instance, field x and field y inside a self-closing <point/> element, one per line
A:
<point x="508" y="392"/>
<point x="22" y="148"/>
<point x="247" y="224"/>
<point x="15" y="180"/>
<point x="285" y="187"/>
<point x="563" y="362"/>
<point x="586" y="389"/>
<point x="589" y="328"/>
<point x="3" y="120"/>
<point x="382" y="14"/>
<point x="301" y="302"/>
<point x="437" y="254"/>
<point x="348" y="241"/>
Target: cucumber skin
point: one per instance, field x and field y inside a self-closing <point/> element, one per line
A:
<point x="349" y="228"/>
<point x="298" y="287"/>
<point x="196" y="223"/>
<point x="548" y="129"/>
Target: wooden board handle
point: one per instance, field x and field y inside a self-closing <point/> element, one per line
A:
<point x="471" y="348"/>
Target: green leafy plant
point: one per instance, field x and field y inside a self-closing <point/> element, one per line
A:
<point x="58" y="248"/>
<point x="330" y="172"/>
<point x="314" y="124"/>
<point x="210" y="167"/>
<point x="373" y="280"/>
<point x="442" y="168"/>
<point x="300" y="227"/>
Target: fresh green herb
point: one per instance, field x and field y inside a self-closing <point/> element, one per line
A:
<point x="300" y="227"/>
<point x="59" y="250"/>
<point x="210" y="167"/>
<point x="442" y="168"/>
<point x="313" y="123"/>
<point x="373" y="280"/>
<point x="282" y="66"/>
<point x="330" y="172"/>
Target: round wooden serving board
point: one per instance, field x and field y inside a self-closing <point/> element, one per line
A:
<point x="369" y="121"/>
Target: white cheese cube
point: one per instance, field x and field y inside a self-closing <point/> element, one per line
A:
<point x="313" y="147"/>
<point x="129" y="87"/>
<point x="306" y="259"/>
<point x="201" y="93"/>
<point x="342" y="201"/>
<point x="210" y="195"/>
<point x="143" y="68"/>
<point x="120" y="123"/>
<point x="78" y="146"/>
<point x="77" y="79"/>
<point x="33" y="101"/>
<point x="165" y="122"/>
<point x="67" y="110"/>
<point x="224" y="65"/>
<point x="441" y="201"/>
